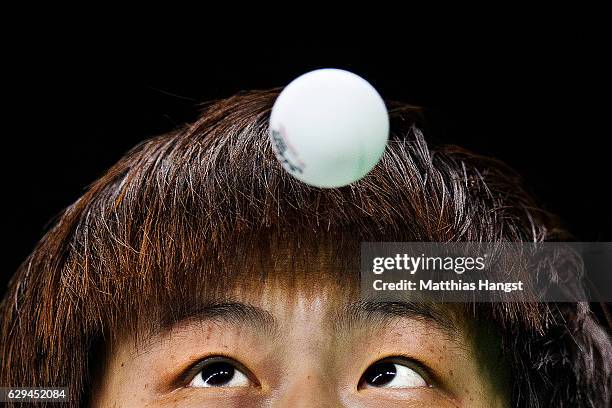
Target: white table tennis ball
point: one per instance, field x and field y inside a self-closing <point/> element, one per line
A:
<point x="329" y="128"/>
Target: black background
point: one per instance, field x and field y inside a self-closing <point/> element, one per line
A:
<point x="535" y="99"/>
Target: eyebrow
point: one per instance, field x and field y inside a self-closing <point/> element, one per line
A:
<point x="381" y="312"/>
<point x="362" y="313"/>
<point x="227" y="312"/>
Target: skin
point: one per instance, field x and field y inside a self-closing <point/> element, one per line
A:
<point x="303" y="350"/>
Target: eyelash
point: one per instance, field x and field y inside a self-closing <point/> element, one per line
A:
<point x="194" y="369"/>
<point x="419" y="367"/>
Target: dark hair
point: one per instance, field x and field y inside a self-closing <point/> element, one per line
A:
<point x="172" y="220"/>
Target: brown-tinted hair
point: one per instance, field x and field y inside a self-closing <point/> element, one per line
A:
<point x="188" y="215"/>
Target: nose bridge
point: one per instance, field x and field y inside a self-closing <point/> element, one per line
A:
<point x="311" y="378"/>
<point x="309" y="385"/>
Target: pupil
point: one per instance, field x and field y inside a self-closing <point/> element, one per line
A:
<point x="218" y="373"/>
<point x="380" y="374"/>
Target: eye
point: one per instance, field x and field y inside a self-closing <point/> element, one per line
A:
<point x="219" y="372"/>
<point x="391" y="374"/>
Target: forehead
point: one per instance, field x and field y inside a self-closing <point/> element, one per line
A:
<point x="274" y="309"/>
<point x="277" y="282"/>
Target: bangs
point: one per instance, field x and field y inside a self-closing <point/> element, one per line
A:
<point x="192" y="216"/>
